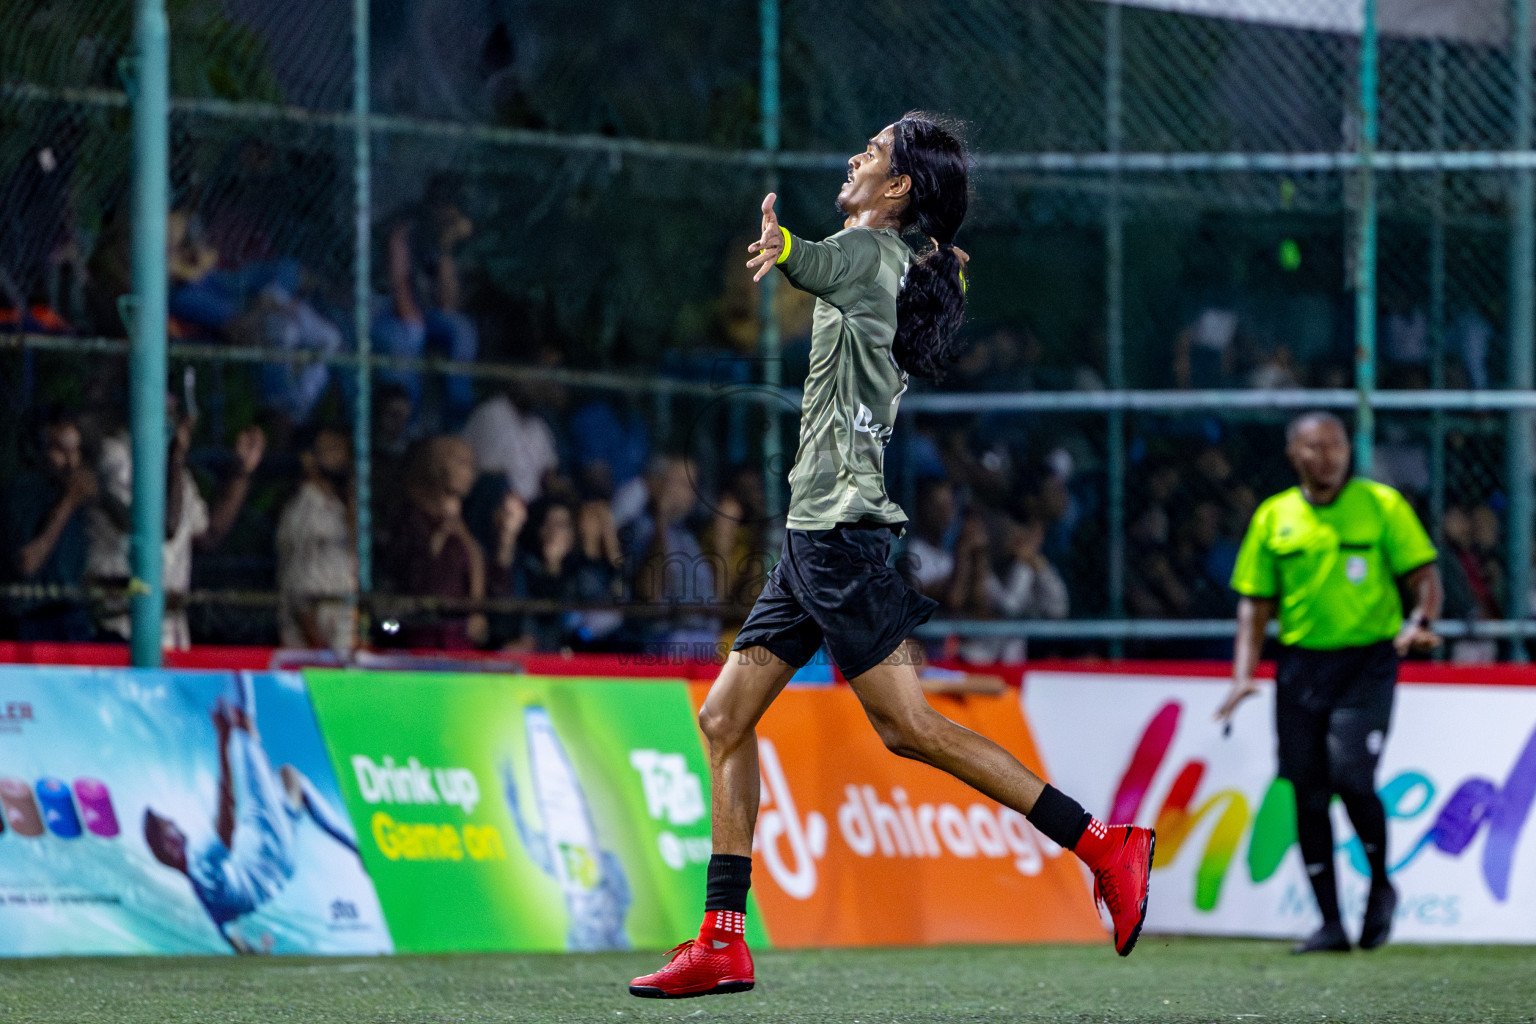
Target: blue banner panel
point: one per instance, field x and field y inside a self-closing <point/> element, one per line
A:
<point x="173" y="812"/>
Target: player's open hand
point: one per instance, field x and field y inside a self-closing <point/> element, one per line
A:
<point x="1241" y="690"/>
<point x="770" y="245"/>
<point x="1414" y="638"/>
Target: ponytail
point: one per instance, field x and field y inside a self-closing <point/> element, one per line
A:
<point x="931" y="305"/>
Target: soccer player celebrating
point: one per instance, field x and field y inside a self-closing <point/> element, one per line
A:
<point x="1331" y="555"/>
<point x="880" y="315"/>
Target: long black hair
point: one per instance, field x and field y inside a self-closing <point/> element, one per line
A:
<point x="931" y="305"/>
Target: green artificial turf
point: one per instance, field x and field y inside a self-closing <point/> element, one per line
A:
<point x="1164" y="980"/>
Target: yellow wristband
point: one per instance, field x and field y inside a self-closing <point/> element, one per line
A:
<point x="963" y="286"/>
<point x="788" y="242"/>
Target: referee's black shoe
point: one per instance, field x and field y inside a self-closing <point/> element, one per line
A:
<point x="1379" y="908"/>
<point x="1330" y="938"/>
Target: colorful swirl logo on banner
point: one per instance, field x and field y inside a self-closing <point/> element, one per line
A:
<point x="1476" y="804"/>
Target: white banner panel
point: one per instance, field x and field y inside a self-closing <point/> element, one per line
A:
<point x="1458" y="778"/>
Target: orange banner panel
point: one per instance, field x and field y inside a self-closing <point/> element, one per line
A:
<point x="858" y="847"/>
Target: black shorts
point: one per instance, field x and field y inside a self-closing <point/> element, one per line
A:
<point x="1346" y="693"/>
<point x="835" y="585"/>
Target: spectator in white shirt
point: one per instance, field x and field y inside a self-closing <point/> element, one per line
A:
<point x="1205" y="351"/>
<point x="512" y="442"/>
<point x="317" y="550"/>
<point x="188" y="521"/>
<point x="1026" y="587"/>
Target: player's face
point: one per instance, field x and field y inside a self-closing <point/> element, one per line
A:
<point x="1320" y="453"/>
<point x="869" y="175"/>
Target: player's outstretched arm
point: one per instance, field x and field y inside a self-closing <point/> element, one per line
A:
<point x="1253" y="615"/>
<point x="770" y="245"/>
<point x="835" y="269"/>
<point x="224" y="819"/>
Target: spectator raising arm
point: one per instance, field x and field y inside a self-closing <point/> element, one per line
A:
<point x="250" y="447"/>
<point x="44" y="526"/>
<point x="80" y="492"/>
<point x="510" y="518"/>
<point x="1031" y="587"/>
<point x="175" y="470"/>
<point x="967" y="594"/>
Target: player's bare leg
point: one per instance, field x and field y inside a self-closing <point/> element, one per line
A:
<point x="1120" y="856"/>
<point x="718" y="960"/>
<point x="748" y="683"/>
<point x="908" y="725"/>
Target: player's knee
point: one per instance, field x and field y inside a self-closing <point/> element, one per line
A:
<point x="1352" y="763"/>
<point x="1354" y="777"/>
<point x="722" y="731"/>
<point x="909" y="734"/>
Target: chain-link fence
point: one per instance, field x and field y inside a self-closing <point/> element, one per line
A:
<point x="1230" y="198"/>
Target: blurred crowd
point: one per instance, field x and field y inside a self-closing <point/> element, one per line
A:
<point x="530" y="515"/>
<point x="515" y="532"/>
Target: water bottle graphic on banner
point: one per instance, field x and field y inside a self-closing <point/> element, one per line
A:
<point x="567" y="848"/>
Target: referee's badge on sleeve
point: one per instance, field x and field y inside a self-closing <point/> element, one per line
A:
<point x="1355" y="569"/>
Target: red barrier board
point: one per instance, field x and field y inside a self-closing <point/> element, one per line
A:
<point x="640" y="666"/>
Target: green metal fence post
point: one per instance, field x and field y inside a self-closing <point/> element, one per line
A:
<point x="1522" y="331"/>
<point x="1365" y="251"/>
<point x="362" y="180"/>
<point x="146" y="359"/>
<point x="774" y="467"/>
<point x="1114" y="317"/>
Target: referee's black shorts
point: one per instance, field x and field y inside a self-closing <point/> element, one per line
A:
<point x="835" y="585"/>
<point x="1332" y="705"/>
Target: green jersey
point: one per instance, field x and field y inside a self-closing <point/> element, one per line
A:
<point x="854" y="383"/>
<point x="1333" y="568"/>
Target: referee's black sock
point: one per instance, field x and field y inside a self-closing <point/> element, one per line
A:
<point x="1314" y="834"/>
<point x="1370" y="821"/>
<point x="1325" y="888"/>
<point x="729" y="880"/>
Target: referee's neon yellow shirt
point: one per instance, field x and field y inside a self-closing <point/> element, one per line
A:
<point x="1333" y="568"/>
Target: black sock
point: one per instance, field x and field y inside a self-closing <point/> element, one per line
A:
<point x="1370" y="821"/>
<point x="1059" y="818"/>
<point x="1314" y="834"/>
<point x="730" y="877"/>
<point x="1326" y="891"/>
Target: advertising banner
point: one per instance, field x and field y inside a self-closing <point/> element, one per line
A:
<point x="173" y="812"/>
<point x="856" y="846"/>
<point x="523" y="813"/>
<point x="1457" y="777"/>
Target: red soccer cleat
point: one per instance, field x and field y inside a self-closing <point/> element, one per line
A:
<point x="718" y="961"/>
<point x="1120" y="882"/>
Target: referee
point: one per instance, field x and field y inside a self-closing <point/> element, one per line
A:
<point x="1331" y="554"/>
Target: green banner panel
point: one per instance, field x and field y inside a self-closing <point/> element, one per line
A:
<point x="522" y="813"/>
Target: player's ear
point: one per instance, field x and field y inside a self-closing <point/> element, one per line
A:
<point x="900" y="185"/>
